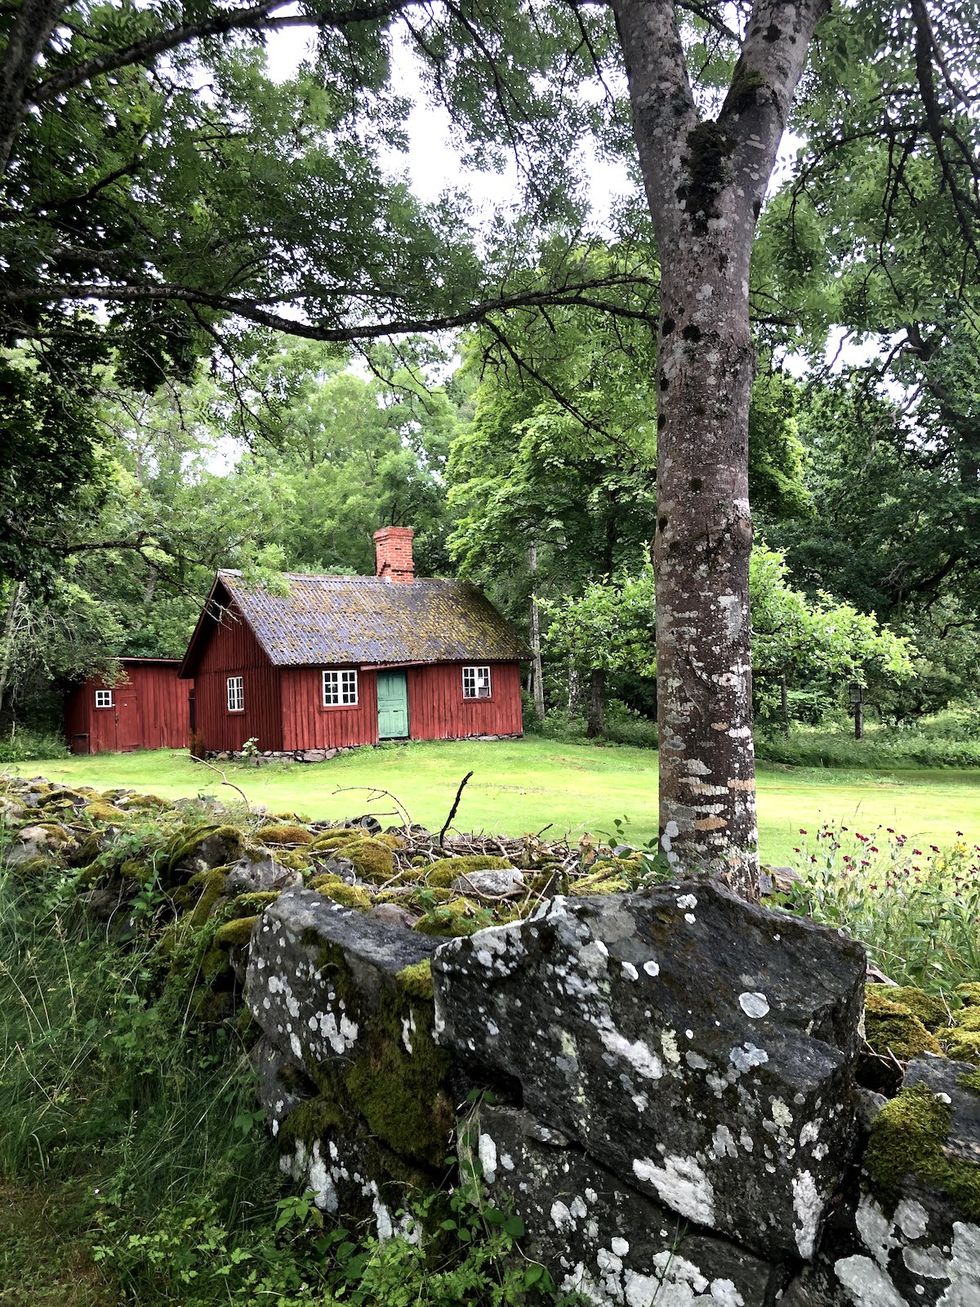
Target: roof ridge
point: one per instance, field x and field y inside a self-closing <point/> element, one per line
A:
<point x="331" y="576"/>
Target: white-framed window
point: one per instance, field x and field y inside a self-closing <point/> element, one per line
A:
<point x="476" y="682"/>
<point x="236" y="693"/>
<point x="339" y="689"/>
<point x="103" y="698"/>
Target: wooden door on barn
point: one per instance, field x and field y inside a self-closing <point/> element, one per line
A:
<point x="392" y="706"/>
<point x="128" y="733"/>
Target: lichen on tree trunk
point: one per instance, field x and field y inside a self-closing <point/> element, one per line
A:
<point x="701" y="556"/>
<point x="705" y="182"/>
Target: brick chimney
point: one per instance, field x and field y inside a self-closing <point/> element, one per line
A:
<point x="393" y="549"/>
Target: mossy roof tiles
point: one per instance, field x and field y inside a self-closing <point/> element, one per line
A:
<point x="360" y="619"/>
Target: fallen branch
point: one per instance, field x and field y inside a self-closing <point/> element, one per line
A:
<point x="374" y="794"/>
<point x="454" y="809"/>
<point x="224" y="779"/>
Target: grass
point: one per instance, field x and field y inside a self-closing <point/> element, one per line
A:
<point x="524" y="785"/>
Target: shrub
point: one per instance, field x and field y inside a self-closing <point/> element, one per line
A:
<point x="880" y="748"/>
<point x="915" y="908"/>
<point x="24" y="746"/>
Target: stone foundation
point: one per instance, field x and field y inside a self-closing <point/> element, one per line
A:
<point x="322" y="755"/>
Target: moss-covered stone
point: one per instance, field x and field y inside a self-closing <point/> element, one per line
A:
<point x="392" y="841"/>
<point x="963" y="1045"/>
<point x="416" y="980"/>
<point x="211" y="884"/>
<point x="907" y="1140"/>
<point x="106" y="814"/>
<point x="257" y="901"/>
<point x="214" y="845"/>
<point x="893" y="1036"/>
<point x="143" y="801"/>
<point x="338" y="891"/>
<point x="446" y="871"/>
<point x="283" y="833"/>
<point x="372" y="860"/>
<point x="457" y="917"/>
<point x="931" y="1011"/>
<point x="398" y="1082"/>
<point x="607" y="880"/>
<point x="314" y="1119"/>
<point x="335" y="839"/>
<point x="968" y="995"/>
<point x="235" y="933"/>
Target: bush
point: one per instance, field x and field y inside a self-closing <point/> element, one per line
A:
<point x="880" y="749"/>
<point x="915" y="908"/>
<point x="24" y="746"/>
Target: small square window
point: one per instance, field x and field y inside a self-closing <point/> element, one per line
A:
<point x="339" y="689"/>
<point x="476" y="682"/>
<point x="103" y="698"/>
<point x="236" y="693"/>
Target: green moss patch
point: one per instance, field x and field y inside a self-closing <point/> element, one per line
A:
<point x="931" y="1011"/>
<point x="457" y="917"/>
<point x="372" y="860"/>
<point x="446" y="871"/>
<point x="211" y="884"/>
<point x="283" y="833"/>
<point x="338" y="891"/>
<point x="893" y="1036"/>
<point x="416" y="980"/>
<point x="235" y="933"/>
<point x="907" y="1140"/>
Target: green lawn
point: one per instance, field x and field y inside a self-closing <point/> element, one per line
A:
<point x="523" y="785"/>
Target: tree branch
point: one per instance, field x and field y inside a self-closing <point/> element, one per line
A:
<point x="255" y="18"/>
<point x="252" y="310"/>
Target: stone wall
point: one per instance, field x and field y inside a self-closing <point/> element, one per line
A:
<point x="686" y="1098"/>
<point x="675" y="1109"/>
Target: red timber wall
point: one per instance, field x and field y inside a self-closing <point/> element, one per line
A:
<point x="438" y="711"/>
<point x="232" y="650"/>
<point x="436" y="707"/>
<point x="149" y="711"/>
<point x="307" y="724"/>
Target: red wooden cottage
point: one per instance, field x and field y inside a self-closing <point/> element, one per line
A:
<point x="146" y="709"/>
<point x="335" y="661"/>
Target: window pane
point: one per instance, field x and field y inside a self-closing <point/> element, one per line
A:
<point x="476" y="682"/>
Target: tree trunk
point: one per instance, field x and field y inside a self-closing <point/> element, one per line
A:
<point x="705" y="182"/>
<point x="595" y="718"/>
<point x="537" y="669"/>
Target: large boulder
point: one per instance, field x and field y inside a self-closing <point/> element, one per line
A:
<point x="917" y="1224"/>
<point x="598" y="1236"/>
<point x="700" y="1047"/>
<point x="349" y="998"/>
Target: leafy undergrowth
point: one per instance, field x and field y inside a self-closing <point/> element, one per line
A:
<point x="134" y="1167"/>
<point x="916" y="906"/>
<point x="45" y="1260"/>
<point x="949" y="742"/>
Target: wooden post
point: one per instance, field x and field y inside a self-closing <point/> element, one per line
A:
<point x="857" y="706"/>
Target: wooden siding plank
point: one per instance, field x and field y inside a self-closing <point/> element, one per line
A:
<point x="232" y="650"/>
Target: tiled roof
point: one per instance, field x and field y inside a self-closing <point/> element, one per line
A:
<point x="360" y="619"/>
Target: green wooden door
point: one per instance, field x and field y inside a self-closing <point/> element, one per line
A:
<point x="392" y="706"/>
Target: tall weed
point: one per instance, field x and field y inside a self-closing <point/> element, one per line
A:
<point x="917" y="909"/>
